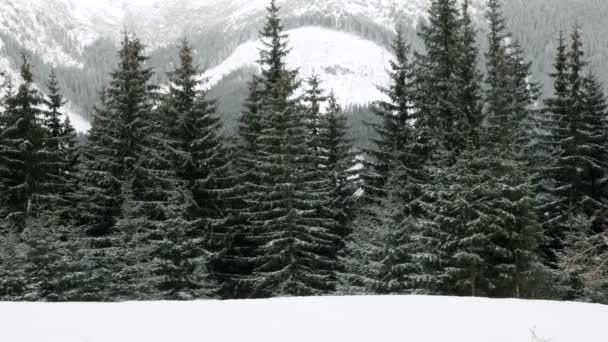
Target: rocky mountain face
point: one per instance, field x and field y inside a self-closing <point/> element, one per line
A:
<point x="344" y="41"/>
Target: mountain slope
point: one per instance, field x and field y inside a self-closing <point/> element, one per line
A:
<point x="78" y="37"/>
<point x="351" y="66"/>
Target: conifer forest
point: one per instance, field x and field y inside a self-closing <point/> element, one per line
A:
<point x="473" y="184"/>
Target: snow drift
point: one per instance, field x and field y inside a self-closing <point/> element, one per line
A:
<point x="324" y="319"/>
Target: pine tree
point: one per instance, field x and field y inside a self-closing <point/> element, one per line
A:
<point x="314" y="97"/>
<point x="584" y="259"/>
<point x="438" y="84"/>
<point x="469" y="79"/>
<point x="21" y="153"/>
<point x="595" y="125"/>
<point x="200" y="161"/>
<point x="481" y="233"/>
<point x="294" y="241"/>
<point x="134" y="192"/>
<point x="339" y="165"/>
<point x="12" y="274"/>
<point x="60" y="153"/>
<point x="53" y="115"/>
<point x="394" y="117"/>
<point x="555" y="115"/>
<point x="249" y="127"/>
<point x="234" y="264"/>
<point x="516" y="232"/>
<point x="383" y="257"/>
<point x="69" y="145"/>
<point x="157" y="199"/>
<point x="47" y="263"/>
<point x="578" y="136"/>
<point x="440" y="116"/>
<point x="380" y="259"/>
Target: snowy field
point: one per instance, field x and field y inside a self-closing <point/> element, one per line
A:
<point x="330" y="319"/>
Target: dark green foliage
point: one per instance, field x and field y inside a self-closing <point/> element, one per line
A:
<point x="128" y="175"/>
<point x="394" y="116"/>
<point x="12" y="273"/>
<point x="22" y="154"/>
<point x="339" y="164"/>
<point x="578" y="163"/>
<point x="294" y="242"/>
<point x="584" y="259"/>
<point x="439" y="87"/>
<point x="200" y="162"/>
<point x="468" y="77"/>
<point x="380" y="256"/>
<point x="482" y="234"/>
<point x="459" y="182"/>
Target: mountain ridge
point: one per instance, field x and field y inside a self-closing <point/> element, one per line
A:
<point x="77" y="37"/>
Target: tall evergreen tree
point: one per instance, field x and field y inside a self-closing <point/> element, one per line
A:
<point x="22" y="152"/>
<point x="53" y="115"/>
<point x="595" y="124"/>
<point x="469" y="78"/>
<point x="135" y="196"/>
<point x="516" y="232"/>
<point x="234" y="265"/>
<point x="394" y="116"/>
<point x="383" y="258"/>
<point x="60" y="152"/>
<point x="294" y="240"/>
<point x="439" y="89"/>
<point x="339" y="165"/>
<point x="314" y="97"/>
<point x="574" y="177"/>
<point x="380" y="253"/>
<point x="482" y="231"/>
<point x="200" y="158"/>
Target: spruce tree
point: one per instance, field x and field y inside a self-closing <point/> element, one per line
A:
<point x="135" y="194"/>
<point x="314" y="97"/>
<point x="380" y="253"/>
<point x="339" y="165"/>
<point x="555" y="114"/>
<point x="394" y="116"/>
<point x="48" y="262"/>
<point x="60" y="153"/>
<point x="595" y="125"/>
<point x="249" y="126"/>
<point x="400" y="156"/>
<point x="438" y="85"/>
<point x="294" y="240"/>
<point x="21" y="153"/>
<point x="481" y="232"/>
<point x="469" y="78"/>
<point x="233" y="266"/>
<point x="200" y="161"/>
<point x="574" y="177"/>
<point x="13" y="282"/>
<point x="52" y="119"/>
<point x="157" y="199"/>
<point x="516" y="232"/>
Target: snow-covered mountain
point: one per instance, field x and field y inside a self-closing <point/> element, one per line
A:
<point x="60" y="29"/>
<point x="349" y="65"/>
<point x="344" y="41"/>
<point x="60" y="32"/>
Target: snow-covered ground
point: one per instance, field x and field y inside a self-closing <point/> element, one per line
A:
<point x="329" y="319"/>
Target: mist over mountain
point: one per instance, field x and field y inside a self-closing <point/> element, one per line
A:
<point x="79" y="39"/>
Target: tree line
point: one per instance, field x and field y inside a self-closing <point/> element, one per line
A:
<point x="472" y="186"/>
